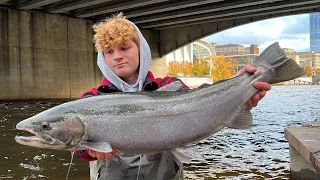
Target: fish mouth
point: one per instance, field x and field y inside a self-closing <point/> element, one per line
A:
<point x="37" y="140"/>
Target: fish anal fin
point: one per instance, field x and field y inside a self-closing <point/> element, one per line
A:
<point x="243" y="120"/>
<point x="188" y="153"/>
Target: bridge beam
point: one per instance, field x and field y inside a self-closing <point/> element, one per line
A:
<point x="33" y="4"/>
<point x="3" y="1"/>
<point x="74" y="5"/>
<point x="169" y="7"/>
<point x="116" y="7"/>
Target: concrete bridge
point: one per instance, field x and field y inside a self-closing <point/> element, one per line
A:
<point x="46" y="48"/>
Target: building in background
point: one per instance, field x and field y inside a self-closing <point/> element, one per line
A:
<point x="311" y="59"/>
<point x="242" y="60"/>
<point x="198" y="50"/>
<point x="288" y="51"/>
<point x="243" y="55"/>
<point x="314" y="21"/>
<point x="203" y="50"/>
<point x="236" y="49"/>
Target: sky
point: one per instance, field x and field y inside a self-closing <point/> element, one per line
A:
<point x="289" y="31"/>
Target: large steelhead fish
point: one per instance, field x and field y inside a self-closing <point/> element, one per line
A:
<point x="151" y="122"/>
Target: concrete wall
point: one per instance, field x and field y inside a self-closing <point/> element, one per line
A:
<point x="45" y="56"/>
<point x="158" y="65"/>
<point x="194" y="82"/>
<point x="300" y="168"/>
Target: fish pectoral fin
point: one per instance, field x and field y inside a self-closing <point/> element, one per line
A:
<point x="188" y="153"/>
<point x="243" y="120"/>
<point x="98" y="146"/>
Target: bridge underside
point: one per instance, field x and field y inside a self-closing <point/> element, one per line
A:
<point x="170" y="24"/>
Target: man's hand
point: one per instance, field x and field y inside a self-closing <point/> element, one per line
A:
<point x="262" y="87"/>
<point x="102" y="155"/>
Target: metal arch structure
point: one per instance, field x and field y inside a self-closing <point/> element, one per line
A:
<point x="172" y="23"/>
<point x="200" y="44"/>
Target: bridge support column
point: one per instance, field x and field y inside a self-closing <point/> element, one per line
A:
<point x="45" y="56"/>
<point x="304" y="151"/>
<point x="158" y="65"/>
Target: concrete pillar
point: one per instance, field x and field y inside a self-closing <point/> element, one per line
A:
<point x="300" y="168"/>
<point x="45" y="56"/>
<point x="158" y="66"/>
<point x="304" y="147"/>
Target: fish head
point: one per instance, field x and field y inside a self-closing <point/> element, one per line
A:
<point x="56" y="132"/>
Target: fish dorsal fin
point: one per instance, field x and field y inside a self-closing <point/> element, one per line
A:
<point x="188" y="153"/>
<point x="98" y="146"/>
<point x="173" y="86"/>
<point x="243" y="120"/>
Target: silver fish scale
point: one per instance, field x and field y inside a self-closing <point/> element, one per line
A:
<point x="146" y="124"/>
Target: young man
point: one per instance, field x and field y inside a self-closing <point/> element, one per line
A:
<point x="124" y="59"/>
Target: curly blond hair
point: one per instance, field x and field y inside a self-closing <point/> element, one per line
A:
<point x="114" y="31"/>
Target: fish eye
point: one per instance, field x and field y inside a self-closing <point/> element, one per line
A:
<point x="44" y="125"/>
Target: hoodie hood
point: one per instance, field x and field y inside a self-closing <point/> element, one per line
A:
<point x="145" y="62"/>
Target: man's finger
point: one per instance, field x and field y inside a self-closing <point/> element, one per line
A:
<point x="250" y="68"/>
<point x="262" y="86"/>
<point x="255" y="99"/>
<point x="100" y="156"/>
<point x="108" y="156"/>
<point x="115" y="152"/>
<point x="92" y="153"/>
<point x="262" y="93"/>
<point x="249" y="104"/>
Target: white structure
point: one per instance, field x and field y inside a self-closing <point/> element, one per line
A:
<point x="198" y="50"/>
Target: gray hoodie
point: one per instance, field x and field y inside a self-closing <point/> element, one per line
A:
<point x="160" y="166"/>
<point x="145" y="62"/>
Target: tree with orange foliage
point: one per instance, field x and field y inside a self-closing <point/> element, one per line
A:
<point x="185" y="68"/>
<point x="206" y="68"/>
<point x="201" y="68"/>
<point x="308" y="70"/>
<point x="222" y="68"/>
<point x="196" y="68"/>
<point x="173" y="68"/>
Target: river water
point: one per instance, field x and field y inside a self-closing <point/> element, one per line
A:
<point x="258" y="153"/>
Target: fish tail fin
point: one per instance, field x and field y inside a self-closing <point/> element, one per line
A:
<point x="285" y="68"/>
<point x="243" y="120"/>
